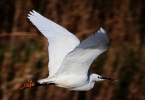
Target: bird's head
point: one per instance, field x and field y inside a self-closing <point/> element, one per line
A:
<point x="96" y="77"/>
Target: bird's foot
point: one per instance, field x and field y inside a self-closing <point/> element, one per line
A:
<point x="28" y="84"/>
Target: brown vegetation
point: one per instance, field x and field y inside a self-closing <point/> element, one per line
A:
<point x="23" y="50"/>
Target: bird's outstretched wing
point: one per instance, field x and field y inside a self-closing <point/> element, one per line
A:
<point x="61" y="41"/>
<point x="79" y="60"/>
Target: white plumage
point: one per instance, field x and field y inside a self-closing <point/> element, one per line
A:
<point x="69" y="60"/>
<point x="61" y="41"/>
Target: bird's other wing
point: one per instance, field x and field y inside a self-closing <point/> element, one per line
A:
<point x="79" y="60"/>
<point x="61" y="41"/>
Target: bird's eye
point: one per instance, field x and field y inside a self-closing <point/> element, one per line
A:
<point x="98" y="76"/>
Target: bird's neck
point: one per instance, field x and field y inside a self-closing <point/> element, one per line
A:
<point x="92" y="77"/>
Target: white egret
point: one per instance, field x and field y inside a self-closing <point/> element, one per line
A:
<point x="69" y="60"/>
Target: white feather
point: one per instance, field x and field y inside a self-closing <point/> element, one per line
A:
<point x="79" y="60"/>
<point x="61" y="41"/>
<point x="69" y="60"/>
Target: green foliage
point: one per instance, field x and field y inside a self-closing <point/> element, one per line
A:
<point x="15" y="55"/>
<point x="2" y="52"/>
<point x="126" y="75"/>
<point x="29" y="50"/>
<point x="116" y="61"/>
<point x="99" y="62"/>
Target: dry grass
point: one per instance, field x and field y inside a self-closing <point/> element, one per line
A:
<point x="23" y="50"/>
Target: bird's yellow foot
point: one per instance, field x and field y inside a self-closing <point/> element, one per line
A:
<point x="28" y="84"/>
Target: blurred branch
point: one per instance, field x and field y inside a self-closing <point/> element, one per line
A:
<point x="16" y="34"/>
<point x="28" y="34"/>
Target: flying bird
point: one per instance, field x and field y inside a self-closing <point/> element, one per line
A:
<point x="69" y="59"/>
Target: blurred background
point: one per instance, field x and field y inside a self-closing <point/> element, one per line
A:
<point x="23" y="49"/>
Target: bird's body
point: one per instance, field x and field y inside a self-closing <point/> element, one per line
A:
<point x="72" y="81"/>
<point x="70" y="59"/>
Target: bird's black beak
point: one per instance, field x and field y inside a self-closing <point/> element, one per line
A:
<point x="109" y="79"/>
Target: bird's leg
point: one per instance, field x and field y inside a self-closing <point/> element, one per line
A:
<point x="30" y="84"/>
<point x="44" y="81"/>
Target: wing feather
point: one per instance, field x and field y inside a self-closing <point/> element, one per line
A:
<point x="61" y="41"/>
<point x="79" y="60"/>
